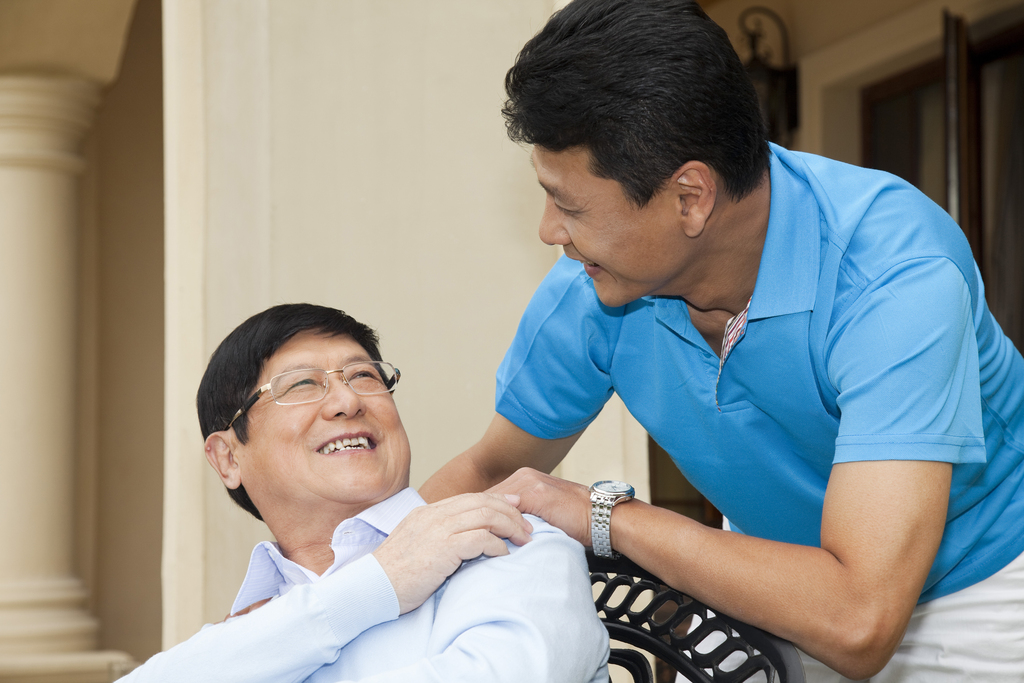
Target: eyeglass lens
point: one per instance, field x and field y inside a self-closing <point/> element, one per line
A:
<point x="306" y="386"/>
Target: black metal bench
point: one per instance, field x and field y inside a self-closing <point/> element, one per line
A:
<point x="703" y="645"/>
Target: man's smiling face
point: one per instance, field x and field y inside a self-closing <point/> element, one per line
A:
<point x="292" y="464"/>
<point x="629" y="252"/>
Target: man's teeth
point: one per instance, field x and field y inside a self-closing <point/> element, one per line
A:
<point x="346" y="444"/>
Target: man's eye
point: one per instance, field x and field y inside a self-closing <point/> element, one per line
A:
<point x="365" y="376"/>
<point x="297" y="386"/>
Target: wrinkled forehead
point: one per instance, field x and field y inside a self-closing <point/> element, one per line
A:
<point x="311" y="349"/>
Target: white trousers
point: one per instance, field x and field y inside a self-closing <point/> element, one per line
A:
<point x="973" y="636"/>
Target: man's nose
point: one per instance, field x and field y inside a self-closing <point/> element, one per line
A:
<point x="340" y="399"/>
<point x="552" y="230"/>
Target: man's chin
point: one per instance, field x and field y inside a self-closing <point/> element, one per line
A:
<point x="614" y="298"/>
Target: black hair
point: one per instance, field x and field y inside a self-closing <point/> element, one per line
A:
<point x="645" y="86"/>
<point x="234" y="369"/>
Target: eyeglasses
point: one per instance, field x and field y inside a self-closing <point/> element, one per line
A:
<point x="365" y="378"/>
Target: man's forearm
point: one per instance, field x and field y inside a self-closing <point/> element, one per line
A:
<point x="846" y="603"/>
<point x="459" y="475"/>
<point x="786" y="589"/>
<point x="503" y="449"/>
<point x="287" y="639"/>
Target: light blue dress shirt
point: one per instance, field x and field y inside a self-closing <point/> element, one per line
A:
<point x="527" y="616"/>
<point x="867" y="338"/>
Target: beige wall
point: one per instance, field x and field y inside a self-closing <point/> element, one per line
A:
<point x="349" y="154"/>
<point x="126" y="265"/>
<point x="68" y="37"/>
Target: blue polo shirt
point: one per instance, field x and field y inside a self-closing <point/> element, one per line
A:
<point x="868" y="338"/>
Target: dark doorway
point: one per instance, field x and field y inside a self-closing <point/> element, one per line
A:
<point x="910" y="123"/>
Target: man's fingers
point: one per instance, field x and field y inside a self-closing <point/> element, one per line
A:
<point x="488" y="519"/>
<point x="481" y="511"/>
<point x="561" y="503"/>
<point x="423" y="551"/>
<point x="432" y="541"/>
<point x="467" y="502"/>
<point x="472" y="544"/>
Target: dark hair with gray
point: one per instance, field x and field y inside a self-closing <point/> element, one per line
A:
<point x="233" y="372"/>
<point x="645" y="86"/>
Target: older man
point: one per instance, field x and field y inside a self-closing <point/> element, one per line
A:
<point x="365" y="581"/>
<point x="808" y="340"/>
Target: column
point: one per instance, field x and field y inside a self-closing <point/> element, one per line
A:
<point x="45" y="632"/>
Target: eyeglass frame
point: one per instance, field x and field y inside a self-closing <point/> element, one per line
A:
<point x="266" y="387"/>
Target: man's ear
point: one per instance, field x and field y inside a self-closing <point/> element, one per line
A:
<point x="696" y="190"/>
<point x="222" y="459"/>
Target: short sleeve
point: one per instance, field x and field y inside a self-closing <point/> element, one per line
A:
<point x="554" y="378"/>
<point x="904" y="360"/>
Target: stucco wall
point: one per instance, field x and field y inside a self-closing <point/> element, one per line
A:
<point x="349" y="154"/>
<point x="127" y="161"/>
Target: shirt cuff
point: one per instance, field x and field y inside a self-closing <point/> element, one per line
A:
<point x="357" y="598"/>
<point x="935" y="447"/>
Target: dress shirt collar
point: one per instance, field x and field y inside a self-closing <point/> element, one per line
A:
<point x="271" y="574"/>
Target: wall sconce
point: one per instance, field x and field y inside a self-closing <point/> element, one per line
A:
<point x="776" y="86"/>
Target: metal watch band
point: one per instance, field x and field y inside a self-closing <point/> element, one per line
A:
<point x="600" y="525"/>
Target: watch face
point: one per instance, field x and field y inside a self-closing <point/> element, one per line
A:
<point x="613" y="487"/>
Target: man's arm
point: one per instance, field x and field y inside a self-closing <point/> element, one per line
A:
<point x="292" y="636"/>
<point x="285" y="640"/>
<point x="503" y="449"/>
<point x="846" y="603"/>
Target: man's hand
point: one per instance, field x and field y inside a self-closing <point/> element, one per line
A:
<point x="561" y="503"/>
<point x="431" y="543"/>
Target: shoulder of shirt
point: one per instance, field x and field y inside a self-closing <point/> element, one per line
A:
<point x="880" y="219"/>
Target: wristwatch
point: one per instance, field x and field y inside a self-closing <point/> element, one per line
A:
<point x="604" y="495"/>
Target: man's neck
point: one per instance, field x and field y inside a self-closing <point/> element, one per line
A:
<point x="316" y="556"/>
<point x="731" y="256"/>
<point x="306" y="539"/>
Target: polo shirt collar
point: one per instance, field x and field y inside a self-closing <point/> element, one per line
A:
<point x="787" y="278"/>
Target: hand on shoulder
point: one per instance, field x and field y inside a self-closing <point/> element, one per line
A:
<point x="561" y="503"/>
<point x="433" y="540"/>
